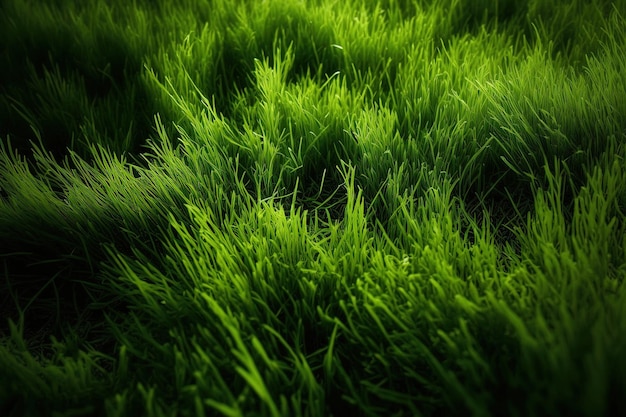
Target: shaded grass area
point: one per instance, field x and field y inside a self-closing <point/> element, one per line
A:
<point x="310" y="209"/>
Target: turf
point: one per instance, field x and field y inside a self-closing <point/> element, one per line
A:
<point x="289" y="208"/>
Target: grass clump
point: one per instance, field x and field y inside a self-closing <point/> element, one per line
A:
<point x="307" y="209"/>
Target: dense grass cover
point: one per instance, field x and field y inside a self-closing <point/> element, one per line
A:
<point x="290" y="208"/>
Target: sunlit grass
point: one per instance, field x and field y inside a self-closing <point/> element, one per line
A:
<point x="291" y="208"/>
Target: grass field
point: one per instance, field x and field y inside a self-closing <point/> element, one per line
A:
<point x="312" y="208"/>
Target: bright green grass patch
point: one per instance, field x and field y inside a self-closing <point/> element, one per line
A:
<point x="292" y="208"/>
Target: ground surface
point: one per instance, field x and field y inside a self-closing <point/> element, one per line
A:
<point x="289" y="208"/>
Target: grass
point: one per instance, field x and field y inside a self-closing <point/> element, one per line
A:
<point x="288" y="208"/>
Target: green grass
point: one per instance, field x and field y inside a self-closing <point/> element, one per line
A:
<point x="289" y="208"/>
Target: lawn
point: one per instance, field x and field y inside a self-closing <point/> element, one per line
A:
<point x="312" y="208"/>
